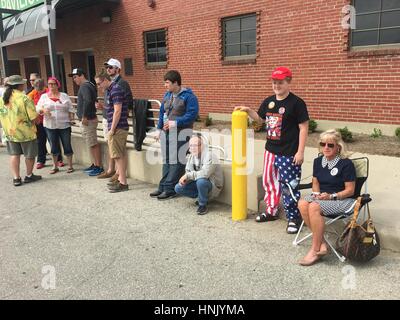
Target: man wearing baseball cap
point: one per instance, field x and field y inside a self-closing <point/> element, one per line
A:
<point x="113" y="68"/>
<point x="286" y="118"/>
<point x="86" y="113"/>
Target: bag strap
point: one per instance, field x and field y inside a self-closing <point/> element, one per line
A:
<point x="356" y="212"/>
<point x="369" y="214"/>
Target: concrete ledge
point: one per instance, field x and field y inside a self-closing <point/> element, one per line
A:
<point x="383" y="183"/>
<point x="146" y="166"/>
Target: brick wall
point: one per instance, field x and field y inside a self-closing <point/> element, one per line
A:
<point x="305" y="36"/>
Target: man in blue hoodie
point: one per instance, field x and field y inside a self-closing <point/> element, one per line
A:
<point x="179" y="110"/>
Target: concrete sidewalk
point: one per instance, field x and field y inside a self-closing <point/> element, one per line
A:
<point x="129" y="246"/>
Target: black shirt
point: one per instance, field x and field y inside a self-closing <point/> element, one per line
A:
<point x="87" y="97"/>
<point x="282" y="120"/>
<point x="332" y="180"/>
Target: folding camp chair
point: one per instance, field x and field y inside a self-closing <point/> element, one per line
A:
<point x="362" y="169"/>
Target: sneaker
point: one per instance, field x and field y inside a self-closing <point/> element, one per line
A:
<point x="17" y="182"/>
<point x="60" y="164"/>
<point x="114" y="178"/>
<point x="39" y="165"/>
<point x="119" y="187"/>
<point x="202" y="210"/>
<point x="112" y="183"/>
<point x="292" y="226"/>
<point x="95" y="172"/>
<point x="32" y="178"/>
<point x="105" y="175"/>
<point x="87" y="170"/>
<point x="263" y="217"/>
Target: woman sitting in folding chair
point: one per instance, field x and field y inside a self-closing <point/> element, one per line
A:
<point x="333" y="184"/>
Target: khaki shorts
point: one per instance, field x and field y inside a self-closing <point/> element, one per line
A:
<point x="89" y="132"/>
<point x="117" y="143"/>
<point x="105" y="129"/>
<point x="29" y="149"/>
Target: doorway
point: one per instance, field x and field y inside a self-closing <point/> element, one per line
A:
<point x="32" y="65"/>
<point x="86" y="61"/>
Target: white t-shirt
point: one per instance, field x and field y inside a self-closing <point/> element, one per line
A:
<point x="60" y="110"/>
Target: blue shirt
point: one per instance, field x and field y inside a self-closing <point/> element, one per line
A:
<point x="114" y="96"/>
<point x="332" y="180"/>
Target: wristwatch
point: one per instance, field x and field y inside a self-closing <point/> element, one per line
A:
<point x="334" y="196"/>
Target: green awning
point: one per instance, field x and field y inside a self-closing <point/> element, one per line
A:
<point x="25" y="26"/>
<point x="32" y="23"/>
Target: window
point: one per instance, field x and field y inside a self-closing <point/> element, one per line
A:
<point x="239" y="35"/>
<point x="377" y="22"/>
<point x="128" y="66"/>
<point x="156" y="48"/>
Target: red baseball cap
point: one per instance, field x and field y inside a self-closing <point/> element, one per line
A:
<point x="281" y="73"/>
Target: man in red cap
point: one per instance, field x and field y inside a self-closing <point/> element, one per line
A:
<point x="286" y="119"/>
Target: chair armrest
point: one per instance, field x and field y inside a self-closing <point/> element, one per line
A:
<point x="305" y="186"/>
<point x="365" y="198"/>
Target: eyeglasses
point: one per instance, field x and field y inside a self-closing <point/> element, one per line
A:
<point x="31" y="80"/>
<point x="109" y="67"/>
<point x="330" y="145"/>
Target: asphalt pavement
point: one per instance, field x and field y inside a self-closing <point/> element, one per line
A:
<point x="66" y="237"/>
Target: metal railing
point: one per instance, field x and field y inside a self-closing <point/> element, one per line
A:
<point x="147" y="144"/>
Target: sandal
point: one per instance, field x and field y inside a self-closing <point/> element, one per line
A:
<point x="307" y="263"/>
<point x="323" y="252"/>
<point x="263" y="217"/>
<point x="54" y="170"/>
<point x="292" y="227"/>
<point x="70" y="170"/>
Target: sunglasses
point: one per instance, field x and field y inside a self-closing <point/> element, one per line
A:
<point x="109" y="67"/>
<point x="330" y="145"/>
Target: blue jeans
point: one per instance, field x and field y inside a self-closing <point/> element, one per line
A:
<point x="173" y="164"/>
<point x="54" y="136"/>
<point x="42" y="149"/>
<point x="199" y="188"/>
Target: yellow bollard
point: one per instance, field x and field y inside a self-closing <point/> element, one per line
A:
<point x="239" y="166"/>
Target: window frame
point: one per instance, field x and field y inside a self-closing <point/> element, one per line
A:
<point x="376" y="45"/>
<point x="244" y="57"/>
<point x="156" y="63"/>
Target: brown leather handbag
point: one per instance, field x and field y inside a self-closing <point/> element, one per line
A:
<point x="359" y="243"/>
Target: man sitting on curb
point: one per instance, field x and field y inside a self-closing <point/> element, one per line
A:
<point x="203" y="178"/>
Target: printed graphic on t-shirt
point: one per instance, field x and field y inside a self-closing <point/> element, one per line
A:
<point x="273" y="123"/>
